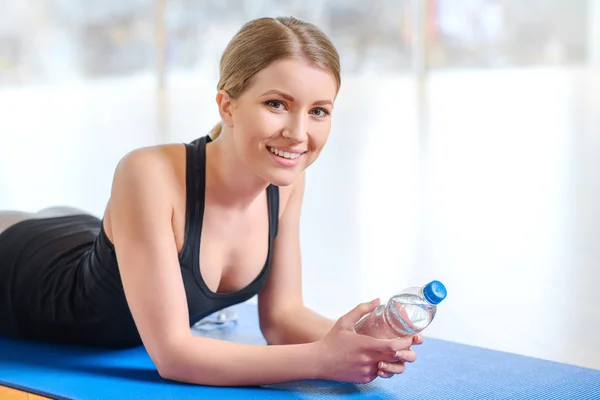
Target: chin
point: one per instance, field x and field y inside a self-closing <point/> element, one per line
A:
<point x="283" y="173"/>
<point x="281" y="178"/>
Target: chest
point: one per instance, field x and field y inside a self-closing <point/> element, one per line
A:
<point x="233" y="247"/>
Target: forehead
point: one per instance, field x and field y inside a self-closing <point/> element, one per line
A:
<point x="298" y="78"/>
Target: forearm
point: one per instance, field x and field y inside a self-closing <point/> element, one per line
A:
<point x="300" y="325"/>
<point x="220" y="363"/>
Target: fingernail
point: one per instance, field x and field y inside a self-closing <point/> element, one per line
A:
<point x="380" y="373"/>
<point x="399" y="354"/>
<point x="383" y="365"/>
<point x="374" y="301"/>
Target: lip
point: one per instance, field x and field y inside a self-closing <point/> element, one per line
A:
<point x="285" y="162"/>
<point x="287" y="149"/>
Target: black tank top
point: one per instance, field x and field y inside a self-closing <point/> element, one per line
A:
<point x="201" y="300"/>
<point x="60" y="282"/>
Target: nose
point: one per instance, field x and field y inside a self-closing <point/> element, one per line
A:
<point x="296" y="129"/>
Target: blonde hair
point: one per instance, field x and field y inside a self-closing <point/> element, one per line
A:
<point x="262" y="41"/>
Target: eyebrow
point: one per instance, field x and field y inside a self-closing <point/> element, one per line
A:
<point x="290" y="98"/>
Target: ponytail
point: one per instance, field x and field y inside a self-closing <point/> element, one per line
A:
<point x="215" y="131"/>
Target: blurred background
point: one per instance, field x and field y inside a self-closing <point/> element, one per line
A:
<point x="465" y="144"/>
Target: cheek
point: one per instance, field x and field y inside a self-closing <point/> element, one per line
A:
<point x="320" y="135"/>
<point x="258" y="123"/>
<point x="318" y="138"/>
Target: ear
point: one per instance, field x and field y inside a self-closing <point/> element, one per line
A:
<point x="225" y="104"/>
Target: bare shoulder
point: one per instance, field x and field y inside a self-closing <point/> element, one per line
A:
<point x="154" y="171"/>
<point x="157" y="161"/>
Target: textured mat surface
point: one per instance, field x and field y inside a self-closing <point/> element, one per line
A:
<point x="444" y="370"/>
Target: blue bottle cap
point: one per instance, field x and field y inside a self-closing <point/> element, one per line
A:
<point x="434" y="292"/>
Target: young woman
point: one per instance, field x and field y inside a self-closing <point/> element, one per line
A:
<point x="193" y="228"/>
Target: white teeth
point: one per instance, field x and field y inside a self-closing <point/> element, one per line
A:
<point x="284" y="154"/>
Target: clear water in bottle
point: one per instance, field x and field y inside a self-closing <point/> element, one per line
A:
<point x="405" y="314"/>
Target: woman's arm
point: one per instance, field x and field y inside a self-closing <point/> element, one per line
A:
<point x="284" y="318"/>
<point x="141" y="212"/>
<point x="141" y="215"/>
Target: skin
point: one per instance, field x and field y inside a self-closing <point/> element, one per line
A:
<point x="145" y="219"/>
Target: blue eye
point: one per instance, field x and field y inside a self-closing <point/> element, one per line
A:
<point x="323" y="111"/>
<point x="273" y="103"/>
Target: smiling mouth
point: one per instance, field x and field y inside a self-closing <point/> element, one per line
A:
<point x="284" y="154"/>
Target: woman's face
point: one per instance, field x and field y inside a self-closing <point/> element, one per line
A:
<point x="281" y="123"/>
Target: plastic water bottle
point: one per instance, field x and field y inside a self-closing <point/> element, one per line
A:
<point x="405" y="314"/>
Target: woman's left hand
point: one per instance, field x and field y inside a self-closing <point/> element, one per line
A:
<point x="396" y="363"/>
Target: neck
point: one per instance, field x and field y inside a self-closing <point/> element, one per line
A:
<point x="230" y="181"/>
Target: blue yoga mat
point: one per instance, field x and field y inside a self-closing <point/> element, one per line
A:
<point x="444" y="370"/>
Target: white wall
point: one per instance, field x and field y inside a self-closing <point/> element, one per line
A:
<point x="505" y="213"/>
<point x="508" y="193"/>
<point x="59" y="144"/>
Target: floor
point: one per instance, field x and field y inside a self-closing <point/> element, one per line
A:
<point x="7" y="393"/>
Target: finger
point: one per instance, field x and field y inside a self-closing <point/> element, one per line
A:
<point x="384" y="375"/>
<point x="404" y="355"/>
<point x="393" y="368"/>
<point x="370" y="378"/>
<point x="389" y="345"/>
<point x="389" y="357"/>
<point x="351" y="318"/>
<point x="418" y="339"/>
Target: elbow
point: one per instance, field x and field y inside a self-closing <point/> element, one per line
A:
<point x="177" y="370"/>
<point x="177" y="363"/>
<point x="170" y="363"/>
<point x="272" y="333"/>
<point x="167" y="374"/>
<point x="276" y="325"/>
<point x="168" y="368"/>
